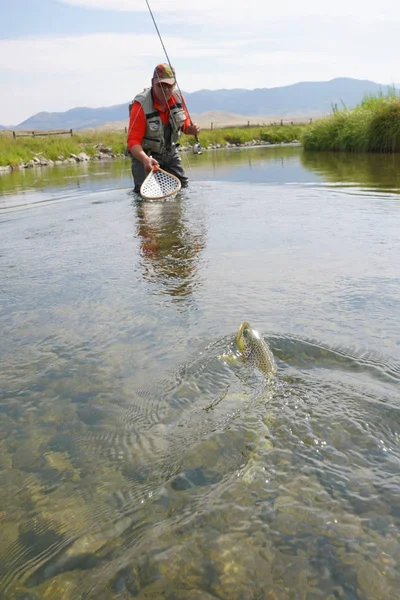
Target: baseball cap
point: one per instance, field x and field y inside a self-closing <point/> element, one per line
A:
<point x="164" y="73"/>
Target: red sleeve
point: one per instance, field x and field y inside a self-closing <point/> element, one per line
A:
<point x="187" y="120"/>
<point x="137" y="125"/>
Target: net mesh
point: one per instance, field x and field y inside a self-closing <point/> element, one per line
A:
<point x="159" y="184"/>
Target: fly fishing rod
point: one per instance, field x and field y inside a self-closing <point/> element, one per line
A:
<point x="197" y="145"/>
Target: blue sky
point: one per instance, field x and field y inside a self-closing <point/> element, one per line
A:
<point x="59" y="54"/>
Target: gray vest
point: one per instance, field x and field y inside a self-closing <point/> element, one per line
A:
<point x="159" y="138"/>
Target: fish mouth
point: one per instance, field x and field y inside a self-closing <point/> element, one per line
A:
<point x="239" y="336"/>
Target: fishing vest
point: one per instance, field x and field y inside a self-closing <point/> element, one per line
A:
<point x="159" y="138"/>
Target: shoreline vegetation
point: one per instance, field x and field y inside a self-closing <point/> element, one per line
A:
<point x="373" y="126"/>
<point x="26" y="152"/>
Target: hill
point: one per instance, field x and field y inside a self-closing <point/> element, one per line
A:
<point x="218" y="119"/>
<point x="296" y="100"/>
<point x="75" y="118"/>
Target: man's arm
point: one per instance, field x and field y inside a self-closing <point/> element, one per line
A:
<point x="147" y="161"/>
<point x="188" y="127"/>
<point x="136" y="131"/>
<point x="192" y="129"/>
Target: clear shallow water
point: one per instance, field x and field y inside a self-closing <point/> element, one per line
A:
<point x="116" y="480"/>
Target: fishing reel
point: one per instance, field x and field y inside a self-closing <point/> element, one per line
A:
<point x="197" y="147"/>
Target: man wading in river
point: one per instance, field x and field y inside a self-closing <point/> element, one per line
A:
<point x="158" y="116"/>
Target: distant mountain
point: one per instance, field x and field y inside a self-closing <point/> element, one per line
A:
<point x="76" y="118"/>
<point x="300" y="99"/>
<point x="2" y="127"/>
<point x="297" y="99"/>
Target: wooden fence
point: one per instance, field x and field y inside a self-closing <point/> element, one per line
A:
<point x="17" y="134"/>
<point x="205" y="126"/>
<point x="278" y="123"/>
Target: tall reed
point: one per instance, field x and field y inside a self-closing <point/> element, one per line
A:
<point x="373" y="126"/>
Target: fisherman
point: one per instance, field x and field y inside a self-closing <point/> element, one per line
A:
<point x="158" y="116"/>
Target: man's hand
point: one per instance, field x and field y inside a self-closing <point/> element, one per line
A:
<point x="193" y="129"/>
<point x="149" y="162"/>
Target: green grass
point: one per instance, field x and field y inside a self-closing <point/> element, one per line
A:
<point x="240" y="135"/>
<point x="373" y="126"/>
<point x="13" y="152"/>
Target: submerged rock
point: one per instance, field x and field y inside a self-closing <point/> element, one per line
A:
<point x="28" y="458"/>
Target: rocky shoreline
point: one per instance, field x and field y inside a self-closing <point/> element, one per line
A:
<point x="102" y="153"/>
<point x="106" y="153"/>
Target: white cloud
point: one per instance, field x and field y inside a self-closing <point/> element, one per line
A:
<point x="249" y="13"/>
<point x="98" y="52"/>
<point x="219" y="44"/>
<point x="277" y="58"/>
<point x="89" y="70"/>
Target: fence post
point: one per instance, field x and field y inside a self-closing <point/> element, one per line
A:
<point x="33" y="133"/>
<point x="311" y="120"/>
<point x="126" y="129"/>
<point x="281" y="121"/>
<point x="248" y="123"/>
<point x="70" y="131"/>
<point x="212" y="126"/>
<point x="14" y="136"/>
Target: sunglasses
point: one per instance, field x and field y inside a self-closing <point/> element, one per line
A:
<point x="165" y="86"/>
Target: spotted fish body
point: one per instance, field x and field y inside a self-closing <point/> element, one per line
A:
<point x="254" y="349"/>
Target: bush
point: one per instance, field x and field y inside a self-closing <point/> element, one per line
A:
<point x="373" y="126"/>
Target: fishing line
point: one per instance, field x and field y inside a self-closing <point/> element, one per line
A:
<point x="159" y="35"/>
<point x="197" y="145"/>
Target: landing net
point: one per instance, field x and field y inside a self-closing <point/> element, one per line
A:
<point x="160" y="185"/>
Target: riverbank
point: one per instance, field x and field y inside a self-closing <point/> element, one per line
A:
<point x="27" y="152"/>
<point x="373" y="126"/>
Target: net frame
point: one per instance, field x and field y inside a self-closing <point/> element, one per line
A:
<point x="160" y="185"/>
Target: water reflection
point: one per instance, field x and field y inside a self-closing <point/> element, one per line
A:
<point x="170" y="246"/>
<point x="274" y="164"/>
<point x="367" y="170"/>
<point x="50" y="181"/>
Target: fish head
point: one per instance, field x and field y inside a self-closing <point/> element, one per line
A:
<point x="246" y="338"/>
<point x="253" y="348"/>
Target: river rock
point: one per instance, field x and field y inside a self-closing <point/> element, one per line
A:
<point x="103" y="149"/>
<point x="82" y="157"/>
<point x="103" y="155"/>
<point x="373" y="585"/>
<point x="27" y="458"/>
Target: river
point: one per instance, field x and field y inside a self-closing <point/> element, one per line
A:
<point x="134" y="462"/>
